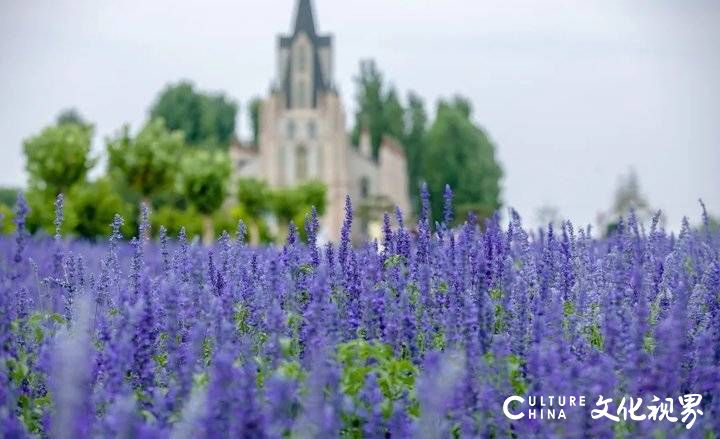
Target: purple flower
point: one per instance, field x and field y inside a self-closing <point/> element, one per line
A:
<point x="182" y="340"/>
<point x="311" y="229"/>
<point x="21" y="211"/>
<point x="345" y="232"/>
<point x="448" y="208"/>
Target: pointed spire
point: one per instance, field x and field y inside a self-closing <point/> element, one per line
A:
<point x="304" y="20"/>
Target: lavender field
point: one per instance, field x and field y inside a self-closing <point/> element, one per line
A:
<point x="423" y="334"/>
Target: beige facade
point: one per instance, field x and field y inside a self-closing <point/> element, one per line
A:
<point x="303" y="136"/>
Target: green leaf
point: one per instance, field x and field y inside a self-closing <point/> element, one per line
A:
<point x="394" y="261"/>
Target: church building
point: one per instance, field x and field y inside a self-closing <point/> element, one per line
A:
<point x="303" y="136"/>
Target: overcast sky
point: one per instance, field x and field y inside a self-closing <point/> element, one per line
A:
<point x="573" y="93"/>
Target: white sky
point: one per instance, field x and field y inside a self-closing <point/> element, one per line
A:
<point x="573" y="93"/>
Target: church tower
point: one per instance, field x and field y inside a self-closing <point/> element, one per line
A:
<point x="303" y="137"/>
<point x="304" y="61"/>
<point x="302" y="128"/>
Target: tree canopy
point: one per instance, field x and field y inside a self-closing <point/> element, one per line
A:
<point x="90" y="208"/>
<point x="453" y="150"/>
<point x="208" y="120"/>
<point x="8" y="195"/>
<point x="59" y="157"/>
<point x="204" y="179"/>
<point x="460" y="154"/>
<point x="146" y="163"/>
<point x="294" y="203"/>
<point x="381" y="112"/>
<point x="253" y="195"/>
<point x="378" y="107"/>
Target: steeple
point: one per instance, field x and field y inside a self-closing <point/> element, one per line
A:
<point x="304" y="20"/>
<point x="304" y="60"/>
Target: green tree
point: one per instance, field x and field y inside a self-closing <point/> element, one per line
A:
<point x="204" y="178"/>
<point x="286" y="206"/>
<point x="414" y="144"/>
<point x="294" y="204"/>
<point x="370" y="99"/>
<point x="381" y="112"/>
<point x="217" y="120"/>
<point x="8" y="195"/>
<point x="175" y="219"/>
<point x="379" y="108"/>
<point x="254" y="197"/>
<point x="255" y="107"/>
<point x="312" y="193"/>
<point x="208" y="120"/>
<point x="88" y="212"/>
<point x="459" y="153"/>
<point x="7" y="226"/>
<point x="145" y="164"/>
<point x="393" y="115"/>
<point x="58" y="157"/>
<point x="41" y="211"/>
<point x="90" y="208"/>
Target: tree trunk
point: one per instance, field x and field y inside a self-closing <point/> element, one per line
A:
<point x="208" y="230"/>
<point x="253" y="237"/>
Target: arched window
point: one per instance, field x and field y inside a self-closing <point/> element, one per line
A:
<point x="301" y="163"/>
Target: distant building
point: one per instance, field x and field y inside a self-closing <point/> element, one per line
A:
<point x="303" y="136"/>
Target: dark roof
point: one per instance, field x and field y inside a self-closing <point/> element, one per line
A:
<point x="304" y="20"/>
<point x="305" y="23"/>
